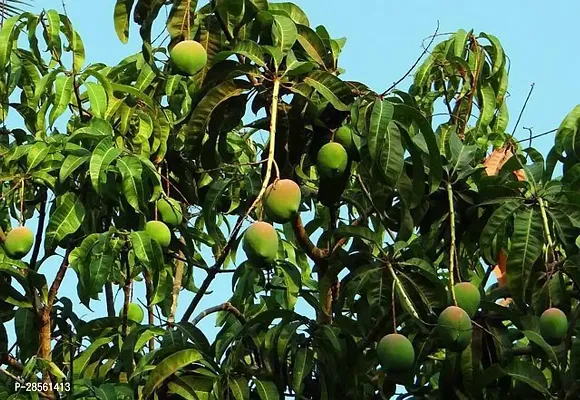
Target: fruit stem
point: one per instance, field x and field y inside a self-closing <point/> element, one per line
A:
<point x="272" y="140"/>
<point x="393" y="307"/>
<point x="224" y="253"/>
<point x="21" y="216"/>
<point x="452" y="248"/>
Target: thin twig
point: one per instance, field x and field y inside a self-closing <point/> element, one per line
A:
<point x="523" y="108"/>
<point x="414" y="64"/>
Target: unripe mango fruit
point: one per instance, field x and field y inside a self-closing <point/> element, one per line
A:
<point x="454" y="329"/>
<point x="134" y="313"/>
<point x="343" y="135"/>
<point x="170" y="211"/>
<point x="188" y="56"/>
<point x="159" y="231"/>
<point x="260" y="243"/>
<point x="553" y="325"/>
<point x="396" y="353"/>
<point x="331" y="160"/>
<point x="468" y="297"/>
<point x="18" y="242"/>
<point x="282" y="200"/>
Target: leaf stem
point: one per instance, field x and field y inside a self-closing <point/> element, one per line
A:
<point x="452" y="248"/>
<point x="404" y="295"/>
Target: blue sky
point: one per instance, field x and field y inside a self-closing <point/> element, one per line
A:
<point x="384" y="39"/>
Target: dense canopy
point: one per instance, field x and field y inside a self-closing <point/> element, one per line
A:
<point x="149" y="173"/>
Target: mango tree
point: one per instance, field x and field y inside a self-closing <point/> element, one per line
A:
<point x="359" y="227"/>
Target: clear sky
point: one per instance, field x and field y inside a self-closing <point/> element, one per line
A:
<point x="384" y="39"/>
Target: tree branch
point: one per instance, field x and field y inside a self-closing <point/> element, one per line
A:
<point x="176" y="286"/>
<point x="314" y="253"/>
<point x="222" y="307"/>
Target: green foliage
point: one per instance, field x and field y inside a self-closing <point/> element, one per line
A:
<point x="415" y="206"/>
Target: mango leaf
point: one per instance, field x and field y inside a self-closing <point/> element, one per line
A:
<point x="99" y="271"/>
<point x="566" y="136"/>
<point x="246" y="48"/>
<point x="526" y="247"/>
<point x="7" y="34"/>
<point x="290" y="10"/>
<point x="168" y="366"/>
<point x="103" y="155"/>
<point x="70" y="164"/>
<point x="332" y="88"/>
<point x="84" y="358"/>
<point x="312" y="44"/>
<point x="385" y="143"/>
<point x="97" y="98"/>
<point x="497" y="56"/>
<point x="239" y="388"/>
<point x="176" y="22"/>
<point x="409" y="115"/>
<point x="267" y="390"/>
<point x="284" y="33"/>
<point x="62" y="96"/>
<point x="75" y="43"/>
<point x="36" y="155"/>
<point x="493" y="225"/>
<point x="65" y="220"/>
<point x="131" y="170"/>
<point x="231" y="13"/>
<point x="25" y="328"/>
<point x="537" y="339"/>
<point x="147" y="250"/>
<point x="487" y="106"/>
<point x="302" y="366"/>
<point x="202" y="113"/>
<point x="121" y="17"/>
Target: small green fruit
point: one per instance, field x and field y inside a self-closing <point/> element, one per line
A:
<point x="261" y="243"/>
<point x="134" y="313"/>
<point x="332" y="160"/>
<point x="188" y="56"/>
<point x="343" y="135"/>
<point x="396" y="353"/>
<point x="159" y="231"/>
<point x="170" y="211"/>
<point x="468" y="297"/>
<point x="282" y="200"/>
<point x="18" y="242"/>
<point x="553" y="326"/>
<point x="454" y="329"/>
